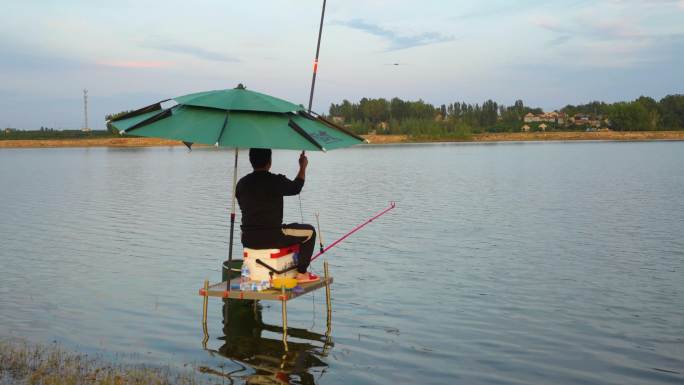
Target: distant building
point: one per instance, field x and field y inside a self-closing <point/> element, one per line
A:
<point x="553" y="117"/>
<point x="531" y="118"/>
<point x="337" y="119"/>
<point x="543" y="127"/>
<point x="561" y="118"/>
<point x="587" y="120"/>
<point x="525" y="128"/>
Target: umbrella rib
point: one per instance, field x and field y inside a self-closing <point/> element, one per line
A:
<point x="332" y="125"/>
<point x="305" y="134"/>
<point x="223" y="128"/>
<point x="140" y="111"/>
<point x="150" y="120"/>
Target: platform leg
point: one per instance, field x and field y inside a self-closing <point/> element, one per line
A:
<point x="204" y="314"/>
<point x="284" y="306"/>
<point x="328" y="303"/>
<point x="205" y="301"/>
<point x="327" y="293"/>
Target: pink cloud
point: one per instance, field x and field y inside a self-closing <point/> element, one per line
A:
<point x="135" y="64"/>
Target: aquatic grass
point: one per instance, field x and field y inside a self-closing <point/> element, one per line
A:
<point x="21" y="363"/>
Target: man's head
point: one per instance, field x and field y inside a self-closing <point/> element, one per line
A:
<point x="260" y="158"/>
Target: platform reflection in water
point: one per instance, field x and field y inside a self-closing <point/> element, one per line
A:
<point x="262" y="356"/>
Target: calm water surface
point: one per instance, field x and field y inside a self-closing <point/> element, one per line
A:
<point x="502" y="263"/>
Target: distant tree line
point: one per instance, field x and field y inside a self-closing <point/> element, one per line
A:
<point x="49" y="133"/>
<point x="397" y="116"/>
<point x="458" y="119"/>
<point x="644" y="113"/>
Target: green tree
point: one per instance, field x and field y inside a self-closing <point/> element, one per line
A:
<point x="631" y="116"/>
<point x="652" y="107"/>
<point x="671" y="109"/>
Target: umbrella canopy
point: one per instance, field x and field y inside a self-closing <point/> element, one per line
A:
<point x="237" y="118"/>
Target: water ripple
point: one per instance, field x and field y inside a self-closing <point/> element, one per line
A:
<point x="510" y="264"/>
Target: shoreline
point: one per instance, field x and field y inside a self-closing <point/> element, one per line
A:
<point x="375" y="139"/>
<point x="22" y="362"/>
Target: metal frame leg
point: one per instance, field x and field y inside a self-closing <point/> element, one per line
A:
<point x="284" y="306"/>
<point x="204" y="314"/>
<point x="327" y="294"/>
<point x="328" y="302"/>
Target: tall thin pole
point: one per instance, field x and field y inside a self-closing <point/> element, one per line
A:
<point x="318" y="50"/>
<point x="232" y="220"/>
<point x="85" y="111"/>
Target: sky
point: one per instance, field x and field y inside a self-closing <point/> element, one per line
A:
<point x="129" y="54"/>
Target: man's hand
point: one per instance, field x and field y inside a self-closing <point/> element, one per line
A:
<point x="303" y="161"/>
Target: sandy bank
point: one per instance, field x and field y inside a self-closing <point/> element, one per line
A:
<point x="580" y="135"/>
<point x="374" y="139"/>
<point x="541" y="136"/>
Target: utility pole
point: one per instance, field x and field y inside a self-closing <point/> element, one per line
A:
<point x="85" y="111"/>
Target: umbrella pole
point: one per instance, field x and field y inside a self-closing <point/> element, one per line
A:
<point x="232" y="220"/>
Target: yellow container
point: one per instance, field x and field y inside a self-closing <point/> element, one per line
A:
<point x="289" y="283"/>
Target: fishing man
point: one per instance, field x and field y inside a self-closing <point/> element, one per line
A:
<point x="260" y="196"/>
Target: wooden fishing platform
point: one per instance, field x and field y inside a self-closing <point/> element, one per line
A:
<point x="220" y="290"/>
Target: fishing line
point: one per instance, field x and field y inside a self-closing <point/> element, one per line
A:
<point x="313" y="309"/>
<point x="301" y="212"/>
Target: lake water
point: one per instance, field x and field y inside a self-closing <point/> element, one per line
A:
<point x="502" y="263"/>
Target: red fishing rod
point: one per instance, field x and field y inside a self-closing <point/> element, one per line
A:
<point x="323" y="250"/>
<point x="357" y="228"/>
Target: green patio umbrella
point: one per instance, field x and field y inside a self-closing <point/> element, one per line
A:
<point x="236" y="118"/>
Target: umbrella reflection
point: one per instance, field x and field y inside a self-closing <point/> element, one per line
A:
<point x="263" y="355"/>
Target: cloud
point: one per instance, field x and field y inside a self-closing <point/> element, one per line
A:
<point x="396" y="40"/>
<point x="485" y="9"/>
<point x="549" y="23"/>
<point x="622" y="38"/>
<point x="28" y="58"/>
<point x="189" y="50"/>
<point x="560" y="40"/>
<point x="135" y="64"/>
<point x="620" y="20"/>
<point x="32" y="59"/>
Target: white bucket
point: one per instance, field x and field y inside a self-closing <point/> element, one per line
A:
<point x="278" y="259"/>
